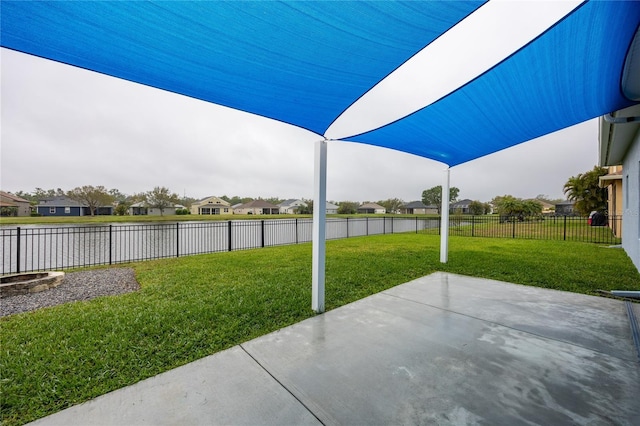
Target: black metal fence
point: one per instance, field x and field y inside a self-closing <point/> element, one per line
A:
<point x="565" y="228"/>
<point x="40" y="248"/>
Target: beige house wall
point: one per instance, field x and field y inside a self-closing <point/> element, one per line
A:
<point x="615" y="202"/>
<point x="420" y="211"/>
<point x="210" y="200"/>
<point x="250" y="210"/>
<point x="23" y="208"/>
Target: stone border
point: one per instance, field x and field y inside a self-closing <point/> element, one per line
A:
<point x="13" y="285"/>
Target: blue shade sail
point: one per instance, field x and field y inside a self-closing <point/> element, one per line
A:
<point x="304" y="63"/>
<point x="570" y="74"/>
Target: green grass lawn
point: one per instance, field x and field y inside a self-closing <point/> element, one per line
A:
<point x="192" y="307"/>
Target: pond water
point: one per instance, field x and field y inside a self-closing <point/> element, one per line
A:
<point x="36" y="247"/>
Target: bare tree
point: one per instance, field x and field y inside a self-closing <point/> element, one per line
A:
<point x="161" y="198"/>
<point x="433" y="196"/>
<point x="392" y="205"/>
<point x="91" y="196"/>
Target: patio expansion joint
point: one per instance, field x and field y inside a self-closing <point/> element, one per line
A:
<point x="507" y="326"/>
<point x="635" y="329"/>
<point x="280" y="383"/>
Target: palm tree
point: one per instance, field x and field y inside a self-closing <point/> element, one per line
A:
<point x="585" y="190"/>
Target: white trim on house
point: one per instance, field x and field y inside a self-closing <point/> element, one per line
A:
<point x="211" y="206"/>
<point x="620" y="144"/>
<point x="291" y="206"/>
<point x="331" y="208"/>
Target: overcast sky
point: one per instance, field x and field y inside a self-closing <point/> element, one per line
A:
<point x="64" y="127"/>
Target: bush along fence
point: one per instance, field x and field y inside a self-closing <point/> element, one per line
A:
<point x="40" y="248"/>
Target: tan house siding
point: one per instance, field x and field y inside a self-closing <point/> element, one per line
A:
<point x="613" y="182"/>
<point x="371" y="208"/>
<point x="22" y="207"/>
<point x="211" y="205"/>
<point x="257" y="207"/>
<point x="418" y="207"/>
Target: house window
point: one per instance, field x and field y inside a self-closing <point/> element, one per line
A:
<point x="52" y="210"/>
<point x="67" y="210"/>
<point x="226" y="210"/>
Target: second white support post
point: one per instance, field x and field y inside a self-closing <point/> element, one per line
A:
<point x="444" y="223"/>
<point x="319" y="226"/>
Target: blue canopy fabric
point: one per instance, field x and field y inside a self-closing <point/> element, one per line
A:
<point x="306" y="62"/>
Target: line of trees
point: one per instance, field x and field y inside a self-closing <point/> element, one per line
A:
<point x="94" y="197"/>
<point x="584" y="189"/>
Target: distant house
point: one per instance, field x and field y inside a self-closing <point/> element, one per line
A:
<point x="566" y="208"/>
<point x="418" y="207"/>
<point x="547" y="208"/>
<point x="291" y="206"/>
<point x="257" y="207"/>
<point x="331" y="208"/>
<point x="138" y="209"/>
<point x="461" y="206"/>
<point x="65" y="206"/>
<point x="211" y="205"/>
<point x="142" y="209"/>
<point x="371" y="208"/>
<point x="12" y="205"/>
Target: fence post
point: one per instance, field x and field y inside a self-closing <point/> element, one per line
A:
<point x="513" y="228"/>
<point x="347" y="227"/>
<point x="416" y="224"/>
<point x="110" y="244"/>
<point x="473" y="225"/>
<point x="564" y="237"/>
<point x="229" y="234"/>
<point x="297" y="231"/>
<point x="18" y="252"/>
<point x="392" y="224"/>
<point x="177" y="239"/>
<point x="367" y="226"/>
<point x="384" y="226"/>
<point x="262" y="233"/>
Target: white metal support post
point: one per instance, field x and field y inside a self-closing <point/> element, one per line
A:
<point x="444" y="223"/>
<point x="319" y="226"/>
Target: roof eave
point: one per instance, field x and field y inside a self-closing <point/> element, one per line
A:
<point x="615" y="139"/>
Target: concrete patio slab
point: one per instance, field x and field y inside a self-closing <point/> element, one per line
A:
<point x="443" y="349"/>
<point x="227" y="388"/>
<point x="596" y="323"/>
